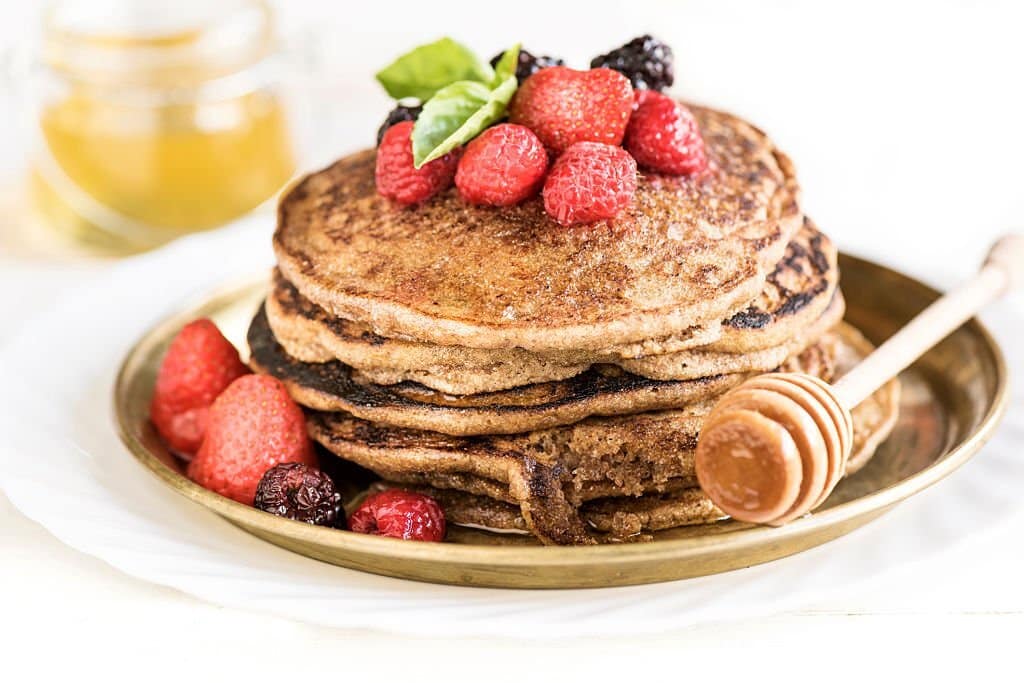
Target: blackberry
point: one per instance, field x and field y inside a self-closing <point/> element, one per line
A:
<point x="397" y="115"/>
<point x="645" y="61"/>
<point x="297" y="491"/>
<point x="529" y="65"/>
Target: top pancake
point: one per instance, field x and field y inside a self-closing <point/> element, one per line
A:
<point x="686" y="251"/>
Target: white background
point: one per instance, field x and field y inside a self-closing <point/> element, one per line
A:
<point x="906" y="121"/>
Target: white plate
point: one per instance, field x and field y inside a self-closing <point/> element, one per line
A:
<point x="62" y="464"/>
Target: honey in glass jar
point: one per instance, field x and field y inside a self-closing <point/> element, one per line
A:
<point x="157" y="119"/>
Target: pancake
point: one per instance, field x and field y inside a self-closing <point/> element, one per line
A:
<point x="600" y="465"/>
<point x="308" y="333"/>
<point x="601" y="390"/>
<point x="803" y="282"/>
<point x="691" y="364"/>
<point x="775" y="324"/>
<point x="687" y="251"/>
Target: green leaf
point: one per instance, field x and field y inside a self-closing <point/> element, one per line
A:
<point x="506" y="66"/>
<point x="456" y="115"/>
<point x="429" y="68"/>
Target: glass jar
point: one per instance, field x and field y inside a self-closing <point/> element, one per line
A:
<point x="156" y="119"/>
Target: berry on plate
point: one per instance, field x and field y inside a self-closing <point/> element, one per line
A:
<point x="563" y="106"/>
<point x="252" y="426"/>
<point x="297" y="491"/>
<point x="399" y="514"/>
<point x="663" y="135"/>
<point x="200" y="363"/>
<point x="397" y="177"/>
<point x="645" y="61"/>
<point x="502" y="166"/>
<point x="589" y="182"/>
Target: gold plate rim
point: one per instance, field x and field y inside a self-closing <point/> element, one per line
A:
<point x="526" y="558"/>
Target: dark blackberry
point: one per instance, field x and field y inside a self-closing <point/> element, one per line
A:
<point x="646" y="61"/>
<point x="297" y="491"/>
<point x="529" y="65"/>
<point x="397" y="115"/>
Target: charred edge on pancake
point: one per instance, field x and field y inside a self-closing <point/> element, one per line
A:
<point x="293" y="303"/>
<point x="754" y="318"/>
<point x="334" y="378"/>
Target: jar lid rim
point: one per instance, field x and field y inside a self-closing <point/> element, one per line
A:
<point x="229" y="41"/>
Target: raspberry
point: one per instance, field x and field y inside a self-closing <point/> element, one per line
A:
<point x="300" y="492"/>
<point x="399" y="514"/>
<point x="563" y="106"/>
<point x="589" y="182"/>
<point x="397" y="115"/>
<point x="662" y="135"/>
<point x="253" y="426"/>
<point x="398" y="179"/>
<point x="528" y="64"/>
<point x="502" y="166"/>
<point x="199" y="365"/>
<point x="645" y="61"/>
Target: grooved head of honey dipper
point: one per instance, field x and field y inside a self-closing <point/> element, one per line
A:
<point x="752" y="456"/>
<point x="748" y="465"/>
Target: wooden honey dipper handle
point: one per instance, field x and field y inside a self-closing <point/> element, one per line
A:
<point x="773" y="448"/>
<point x="1003" y="268"/>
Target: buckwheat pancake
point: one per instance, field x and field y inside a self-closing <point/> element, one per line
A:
<point x="600" y="390"/>
<point x="687" y="251"/>
<point x="703" y="361"/>
<point x="775" y="324"/>
<point x="619" y="476"/>
<point x="308" y="333"/>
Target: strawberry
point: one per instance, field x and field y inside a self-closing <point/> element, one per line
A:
<point x="563" y="106"/>
<point x="253" y="426"/>
<point x="503" y="166"/>
<point x="589" y="182"/>
<point x="200" y="363"/>
<point x="397" y="177"/>
<point x="663" y="136"/>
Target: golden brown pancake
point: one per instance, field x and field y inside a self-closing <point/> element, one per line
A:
<point x="775" y="325"/>
<point x="686" y="252"/>
<point x="601" y="390"/>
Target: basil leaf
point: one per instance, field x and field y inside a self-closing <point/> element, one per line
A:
<point x="457" y="114"/>
<point x="429" y="68"/>
<point x="506" y="66"/>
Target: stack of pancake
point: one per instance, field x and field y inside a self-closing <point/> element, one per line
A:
<point x="545" y="379"/>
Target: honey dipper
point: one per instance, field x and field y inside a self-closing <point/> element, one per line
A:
<point x="774" y="448"/>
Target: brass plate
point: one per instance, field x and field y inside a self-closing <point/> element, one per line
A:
<point x="951" y="401"/>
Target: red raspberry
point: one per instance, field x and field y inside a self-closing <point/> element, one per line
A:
<point x="503" y="166"/>
<point x="663" y="136"/>
<point x="199" y="365"/>
<point x="589" y="182"/>
<point x="563" y="106"/>
<point x="253" y="426"/>
<point x="399" y="180"/>
<point x="399" y="514"/>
